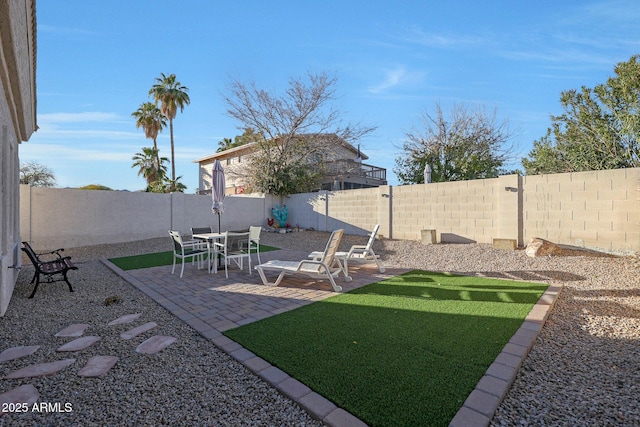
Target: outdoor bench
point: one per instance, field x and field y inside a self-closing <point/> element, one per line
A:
<point x="52" y="271"/>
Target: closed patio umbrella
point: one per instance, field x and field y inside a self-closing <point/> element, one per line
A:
<point x="427" y="174"/>
<point x="217" y="190"/>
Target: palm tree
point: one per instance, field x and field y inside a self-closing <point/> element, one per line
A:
<point x="172" y="95"/>
<point x="150" y="119"/>
<point x="151" y="166"/>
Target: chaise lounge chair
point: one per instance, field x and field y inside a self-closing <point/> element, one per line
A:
<point x="322" y="268"/>
<point x="357" y="253"/>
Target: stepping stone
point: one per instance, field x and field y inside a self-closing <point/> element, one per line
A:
<point x="73" y="331"/>
<point x="124" y="319"/>
<point x="138" y="330"/>
<point x="155" y="344"/>
<point x="98" y="366"/>
<point x="18" y="352"/>
<point x="41" y="369"/>
<point x="79" y="344"/>
<point x="25" y="394"/>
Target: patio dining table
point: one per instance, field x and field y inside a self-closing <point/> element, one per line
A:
<point x="209" y="238"/>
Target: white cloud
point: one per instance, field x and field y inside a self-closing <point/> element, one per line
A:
<point x="42" y="28"/>
<point x="56" y="152"/>
<point x="418" y="36"/>
<point x="88" y="116"/>
<point x="398" y="76"/>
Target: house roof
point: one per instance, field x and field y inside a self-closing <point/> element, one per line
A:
<point x="250" y="147"/>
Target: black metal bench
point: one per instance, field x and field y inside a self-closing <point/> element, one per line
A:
<point x="51" y="270"/>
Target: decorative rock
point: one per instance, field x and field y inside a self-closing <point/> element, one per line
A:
<point x="124" y="319"/>
<point x="18" y="352"/>
<point x="24" y="394"/>
<point x="41" y="369"/>
<point x="540" y="247"/>
<point x="79" y="344"/>
<point x="112" y="300"/>
<point x="75" y="330"/>
<point x="155" y="344"/>
<point x="137" y="331"/>
<point x="98" y="366"/>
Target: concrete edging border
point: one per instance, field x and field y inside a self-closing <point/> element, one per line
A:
<point x="482" y="403"/>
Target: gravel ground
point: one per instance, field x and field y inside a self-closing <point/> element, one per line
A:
<point x="583" y="370"/>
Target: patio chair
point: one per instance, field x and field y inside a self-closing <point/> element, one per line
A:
<point x="233" y="247"/>
<point x="322" y="268"/>
<point x="254" y="240"/>
<point x="184" y="249"/>
<point x="200" y="230"/>
<point x="357" y="253"/>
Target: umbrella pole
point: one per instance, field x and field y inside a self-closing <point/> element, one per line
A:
<point x="218" y="260"/>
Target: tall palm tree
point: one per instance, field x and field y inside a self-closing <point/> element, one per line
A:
<point x="150" y="119"/>
<point x="151" y="166"/>
<point x="172" y="95"/>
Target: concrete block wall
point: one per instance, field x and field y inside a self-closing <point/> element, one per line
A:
<point x="462" y="211"/>
<point x="355" y="211"/>
<point x="597" y="209"/>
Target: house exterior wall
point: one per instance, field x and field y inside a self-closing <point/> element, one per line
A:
<point x="17" y="123"/>
<point x="235" y="162"/>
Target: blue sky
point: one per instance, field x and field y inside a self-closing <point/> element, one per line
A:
<point x="393" y="61"/>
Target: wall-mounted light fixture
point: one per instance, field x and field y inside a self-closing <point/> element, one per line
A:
<point x="385" y="195"/>
<point x="512" y="189"/>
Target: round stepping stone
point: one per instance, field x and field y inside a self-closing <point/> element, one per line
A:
<point x="124" y="319"/>
<point x="25" y="394"/>
<point x="18" y="352"/>
<point x="155" y="344"/>
<point x="98" y="366"/>
<point x="73" y="331"/>
<point x="138" y="330"/>
<point x="41" y="369"/>
<point x="79" y="344"/>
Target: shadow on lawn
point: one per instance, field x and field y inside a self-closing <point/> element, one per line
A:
<point x="447" y="287"/>
<point x="535" y="275"/>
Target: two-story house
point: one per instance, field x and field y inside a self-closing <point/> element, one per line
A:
<point x="344" y="168"/>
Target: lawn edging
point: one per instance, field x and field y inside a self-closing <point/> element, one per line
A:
<point x="484" y="400"/>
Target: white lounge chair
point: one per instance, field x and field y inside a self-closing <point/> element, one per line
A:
<point x="357" y="253"/>
<point x="322" y="268"/>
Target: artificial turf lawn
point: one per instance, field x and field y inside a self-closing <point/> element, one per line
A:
<point x="405" y="351"/>
<point x="157" y="259"/>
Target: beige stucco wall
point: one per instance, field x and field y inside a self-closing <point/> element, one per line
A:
<point x="17" y="123"/>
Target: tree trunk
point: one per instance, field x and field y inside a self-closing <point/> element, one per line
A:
<point x="173" y="158"/>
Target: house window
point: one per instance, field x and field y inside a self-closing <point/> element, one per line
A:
<point x="228" y="161"/>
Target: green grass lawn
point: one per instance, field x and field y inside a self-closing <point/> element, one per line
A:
<point x="405" y="351"/>
<point x="157" y="259"/>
